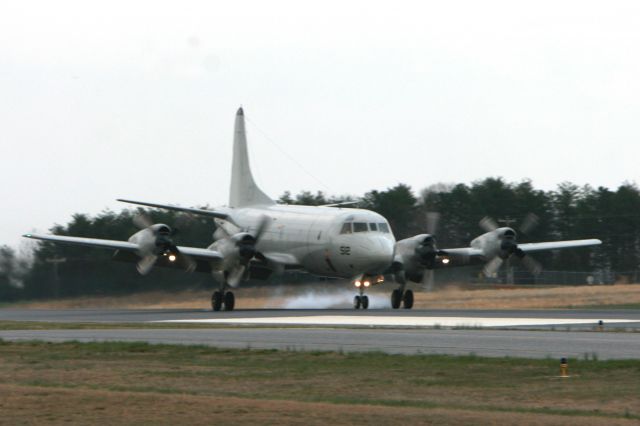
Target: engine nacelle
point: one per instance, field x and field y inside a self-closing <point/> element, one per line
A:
<point x="154" y="240"/>
<point x="413" y="256"/>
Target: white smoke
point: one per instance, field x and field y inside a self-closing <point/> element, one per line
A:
<point x="334" y="298"/>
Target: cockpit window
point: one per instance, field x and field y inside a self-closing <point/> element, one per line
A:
<point x="346" y="228"/>
<point x="383" y="227"/>
<point x="373" y="227"/>
<point x="359" y="227"/>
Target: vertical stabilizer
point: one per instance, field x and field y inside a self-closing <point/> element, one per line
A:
<point x="244" y="191"/>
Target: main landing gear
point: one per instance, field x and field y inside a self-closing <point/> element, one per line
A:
<point x="221" y="300"/>
<point x="398" y="297"/>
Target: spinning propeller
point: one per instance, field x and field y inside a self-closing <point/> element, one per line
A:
<point x="509" y="246"/>
<point x="240" y="249"/>
<point x="419" y="254"/>
<point x="154" y="240"/>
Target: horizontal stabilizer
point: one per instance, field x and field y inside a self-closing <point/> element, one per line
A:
<point x="201" y="212"/>
<point x="343" y="203"/>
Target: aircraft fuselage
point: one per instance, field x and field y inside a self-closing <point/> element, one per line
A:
<point x="327" y="241"/>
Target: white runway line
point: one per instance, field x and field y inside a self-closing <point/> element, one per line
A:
<point x="398" y="321"/>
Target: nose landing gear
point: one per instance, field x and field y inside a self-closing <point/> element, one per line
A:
<point x="361" y="300"/>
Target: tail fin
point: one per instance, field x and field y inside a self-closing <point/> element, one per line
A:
<point x="244" y="191"/>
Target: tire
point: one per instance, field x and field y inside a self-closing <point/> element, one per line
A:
<point x="396" y="298"/>
<point x="216" y="301"/>
<point x="364" y="300"/>
<point x="229" y="301"/>
<point x="407" y="299"/>
<point x="357" y="302"/>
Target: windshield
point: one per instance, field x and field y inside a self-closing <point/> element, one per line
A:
<point x="346" y="228"/>
<point x="351" y="227"/>
<point x="359" y="227"/>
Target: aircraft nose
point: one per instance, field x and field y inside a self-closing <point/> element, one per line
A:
<point x="380" y="255"/>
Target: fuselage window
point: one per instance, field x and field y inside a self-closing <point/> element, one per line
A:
<point x="346" y="228"/>
<point x="359" y="227"/>
<point x="373" y="227"/>
<point x="383" y="227"/>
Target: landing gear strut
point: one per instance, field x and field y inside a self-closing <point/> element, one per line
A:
<point x="223" y="300"/>
<point x="398" y="296"/>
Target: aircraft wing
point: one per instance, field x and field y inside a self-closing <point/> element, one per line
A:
<point x="552" y="245"/>
<point x="462" y="252"/>
<point x="201" y="253"/>
<point x="194" y="252"/>
<point x="92" y="242"/>
<point x="202" y="212"/>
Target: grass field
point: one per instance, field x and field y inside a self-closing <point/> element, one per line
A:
<point x="323" y="296"/>
<point x="134" y="383"/>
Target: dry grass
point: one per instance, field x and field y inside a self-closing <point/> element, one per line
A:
<point x="449" y="297"/>
<point x="118" y="383"/>
<point x="29" y="405"/>
<point x="531" y="298"/>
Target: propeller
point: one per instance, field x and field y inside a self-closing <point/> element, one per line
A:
<point x="529" y="223"/>
<point x="530" y="263"/>
<point x="145" y="264"/>
<point x="492" y="266"/>
<point x="427" y="251"/>
<point x="433" y="220"/>
<point x="156" y="241"/>
<point x="428" y="280"/>
<point x="416" y="256"/>
<point x="142" y="221"/>
<point x="488" y="224"/>
<point x="245" y="250"/>
<point x="509" y="245"/>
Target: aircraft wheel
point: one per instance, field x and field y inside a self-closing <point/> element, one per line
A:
<point x="357" y="301"/>
<point x="216" y="300"/>
<point x="407" y="299"/>
<point x="396" y="298"/>
<point x="229" y="301"/>
<point x="364" y="301"/>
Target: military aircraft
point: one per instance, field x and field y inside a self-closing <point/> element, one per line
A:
<point x="256" y="237"/>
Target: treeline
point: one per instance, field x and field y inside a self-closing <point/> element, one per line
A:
<point x="568" y="212"/>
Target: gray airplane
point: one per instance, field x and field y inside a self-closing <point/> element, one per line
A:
<point x="255" y="237"/>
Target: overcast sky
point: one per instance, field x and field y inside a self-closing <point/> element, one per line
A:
<point x="100" y="100"/>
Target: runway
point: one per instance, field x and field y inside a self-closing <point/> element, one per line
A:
<point x="535" y="319"/>
<point x="515" y="343"/>
<point x="531" y="333"/>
